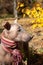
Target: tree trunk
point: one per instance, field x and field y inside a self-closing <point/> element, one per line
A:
<point x="15" y="10"/>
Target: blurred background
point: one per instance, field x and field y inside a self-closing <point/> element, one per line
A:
<point x="23" y="7"/>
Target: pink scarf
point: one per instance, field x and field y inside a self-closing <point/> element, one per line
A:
<point x="6" y="43"/>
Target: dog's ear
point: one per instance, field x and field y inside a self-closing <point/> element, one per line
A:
<point x="15" y="21"/>
<point x="7" y="26"/>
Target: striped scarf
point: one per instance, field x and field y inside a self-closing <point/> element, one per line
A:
<point x="6" y="43"/>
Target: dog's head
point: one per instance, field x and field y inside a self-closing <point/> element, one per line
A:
<point x="16" y="32"/>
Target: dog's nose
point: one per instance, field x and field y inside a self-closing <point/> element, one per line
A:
<point x="30" y="37"/>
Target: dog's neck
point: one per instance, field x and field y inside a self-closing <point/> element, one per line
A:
<point x="7" y="44"/>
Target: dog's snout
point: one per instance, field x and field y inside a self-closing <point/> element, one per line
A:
<point x="26" y="37"/>
<point x="30" y="37"/>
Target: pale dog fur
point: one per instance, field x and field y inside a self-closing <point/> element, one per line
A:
<point x="12" y="34"/>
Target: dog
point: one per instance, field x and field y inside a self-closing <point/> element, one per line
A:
<point x="13" y="38"/>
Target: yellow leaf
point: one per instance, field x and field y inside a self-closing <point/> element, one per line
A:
<point x="22" y="5"/>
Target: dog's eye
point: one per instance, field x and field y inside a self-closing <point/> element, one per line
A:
<point x="19" y="30"/>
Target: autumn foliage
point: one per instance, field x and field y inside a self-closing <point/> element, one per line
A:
<point x="35" y="13"/>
